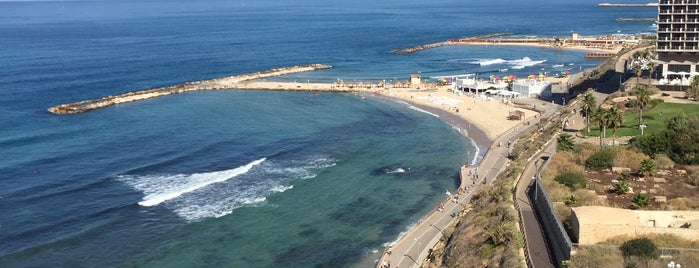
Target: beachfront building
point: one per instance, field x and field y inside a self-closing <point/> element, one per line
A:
<point x="677" y="43"/>
<point x="521" y="88"/>
<point x="473" y="85"/>
<point x="415" y="79"/>
<point x="531" y="88"/>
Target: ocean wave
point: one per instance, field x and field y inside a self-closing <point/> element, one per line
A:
<point x="557" y="65"/>
<point x="189" y="197"/>
<point x="486" y="62"/>
<point x="516" y="64"/>
<point x="421" y="110"/>
<point x="476" y="155"/>
<point x="523" y="63"/>
<point x="161" y="188"/>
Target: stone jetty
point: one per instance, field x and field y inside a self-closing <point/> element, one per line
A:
<point x="229" y="82"/>
<point x="447" y="43"/>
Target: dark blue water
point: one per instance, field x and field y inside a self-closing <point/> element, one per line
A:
<point x="241" y="178"/>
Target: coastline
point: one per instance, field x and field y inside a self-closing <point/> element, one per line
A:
<point x="472" y="130"/>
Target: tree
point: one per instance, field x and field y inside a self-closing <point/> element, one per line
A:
<point x="642" y="248"/>
<point x="588" y="105"/>
<point x="647" y="167"/>
<point x="693" y="89"/>
<point x="639" y="61"/>
<point x="565" y="142"/>
<point x="642" y="100"/>
<point x="651" y="69"/>
<point x="602" y="119"/>
<point x="615" y="120"/>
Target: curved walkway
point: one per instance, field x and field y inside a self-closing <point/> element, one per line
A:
<point x="410" y="250"/>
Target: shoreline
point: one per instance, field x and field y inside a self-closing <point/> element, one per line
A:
<point x="473" y="131"/>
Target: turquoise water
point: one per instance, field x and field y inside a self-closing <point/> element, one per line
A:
<point x="240" y="178"/>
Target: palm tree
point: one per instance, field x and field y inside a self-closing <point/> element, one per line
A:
<point x="565" y="142"/>
<point x="639" y="62"/>
<point x="602" y="118"/>
<point x="588" y="105"/>
<point x="642" y="99"/>
<point x="651" y="68"/>
<point x="615" y="119"/>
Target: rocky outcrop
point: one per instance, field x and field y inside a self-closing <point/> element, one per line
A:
<point x="217" y="83"/>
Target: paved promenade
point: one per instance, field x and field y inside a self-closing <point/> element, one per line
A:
<point x="414" y="246"/>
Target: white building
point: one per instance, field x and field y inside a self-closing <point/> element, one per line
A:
<point x="531" y="88"/>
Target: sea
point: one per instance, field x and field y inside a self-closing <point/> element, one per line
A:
<point x="233" y="178"/>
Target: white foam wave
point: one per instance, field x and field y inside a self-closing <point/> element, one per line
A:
<point x="422" y="111"/>
<point x="523" y="63"/>
<point x="158" y="189"/>
<point x="476" y="154"/>
<point x="281" y="188"/>
<point x="398" y="170"/>
<point x="486" y="62"/>
<point x="188" y="196"/>
<point x="557" y="65"/>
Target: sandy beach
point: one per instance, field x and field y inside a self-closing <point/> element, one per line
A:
<point x="483" y="118"/>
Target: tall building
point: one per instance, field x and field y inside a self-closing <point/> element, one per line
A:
<point x="678" y="38"/>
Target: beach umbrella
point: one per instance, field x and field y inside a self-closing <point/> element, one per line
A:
<point x="541" y="75"/>
<point x="566" y="72"/>
<point x="513" y="77"/>
<point x="497" y="77"/>
<point x="531" y="76"/>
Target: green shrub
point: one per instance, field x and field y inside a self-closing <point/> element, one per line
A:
<point x="621" y="187"/>
<point x="647" y="167"/>
<point x="571" y="179"/>
<point x="643" y="248"/>
<point x="572" y="200"/>
<point x="652" y="144"/>
<point x="639" y="200"/>
<point x="602" y="159"/>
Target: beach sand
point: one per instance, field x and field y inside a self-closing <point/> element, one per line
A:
<point x="483" y="119"/>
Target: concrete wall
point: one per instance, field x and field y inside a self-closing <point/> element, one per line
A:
<point x="559" y="243"/>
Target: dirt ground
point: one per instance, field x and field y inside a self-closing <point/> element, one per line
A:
<point x="667" y="183"/>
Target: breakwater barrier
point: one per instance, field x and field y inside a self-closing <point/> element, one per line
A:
<point x="228" y="82"/>
<point x="635" y="19"/>
<point x="447" y="43"/>
<point x="627" y="5"/>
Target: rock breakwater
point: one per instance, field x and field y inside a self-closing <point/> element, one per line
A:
<point x="228" y="82"/>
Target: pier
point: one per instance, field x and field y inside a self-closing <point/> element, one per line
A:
<point x="229" y="82"/>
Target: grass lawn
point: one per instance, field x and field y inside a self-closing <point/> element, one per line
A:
<point x="654" y="119"/>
